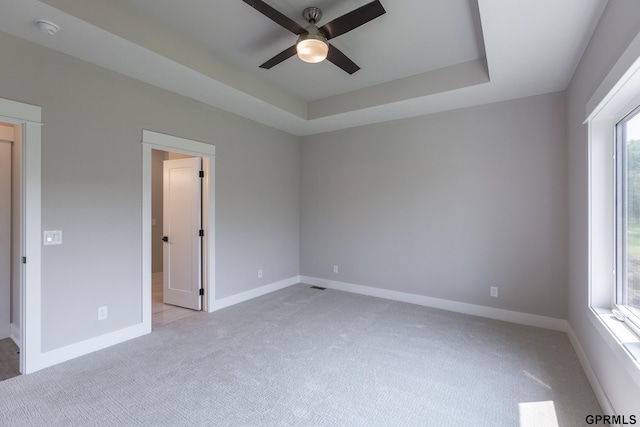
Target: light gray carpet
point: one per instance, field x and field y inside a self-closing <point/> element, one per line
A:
<point x="302" y="356"/>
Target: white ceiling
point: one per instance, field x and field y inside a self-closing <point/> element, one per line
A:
<point x="386" y="48"/>
<point x="418" y="58"/>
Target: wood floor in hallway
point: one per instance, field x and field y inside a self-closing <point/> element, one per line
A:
<point x="9" y="359"/>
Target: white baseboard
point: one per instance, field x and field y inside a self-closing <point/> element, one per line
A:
<point x="53" y="357"/>
<point x="15" y="335"/>
<point x="601" y="396"/>
<point x="253" y="293"/>
<point x="72" y="351"/>
<point x="458" y="307"/>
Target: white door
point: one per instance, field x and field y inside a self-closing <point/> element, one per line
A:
<point x="5" y="239"/>
<point x="182" y="249"/>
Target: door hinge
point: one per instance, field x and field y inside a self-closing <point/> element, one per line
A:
<point x="201" y="174"/>
<point x="201" y="291"/>
<point x="201" y="233"/>
<point x="24" y="259"/>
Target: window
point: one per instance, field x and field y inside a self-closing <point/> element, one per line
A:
<point x="613" y="115"/>
<point x="627" y="178"/>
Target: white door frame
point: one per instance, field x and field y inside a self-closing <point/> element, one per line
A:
<point x="29" y="117"/>
<point x="153" y="140"/>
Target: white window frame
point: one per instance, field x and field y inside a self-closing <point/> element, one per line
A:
<point x="621" y="311"/>
<point x="615" y="98"/>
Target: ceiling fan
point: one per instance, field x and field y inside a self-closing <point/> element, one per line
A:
<point x="312" y="43"/>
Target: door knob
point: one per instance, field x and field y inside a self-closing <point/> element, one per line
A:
<point x="165" y="238"/>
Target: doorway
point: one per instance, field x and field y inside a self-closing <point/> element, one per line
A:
<point x="176" y="236"/>
<point x="26" y="272"/>
<point x="10" y="271"/>
<point x="156" y="147"/>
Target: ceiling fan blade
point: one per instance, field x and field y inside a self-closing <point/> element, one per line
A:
<point x="341" y="60"/>
<point x="285" y="54"/>
<point x="353" y="19"/>
<point x="276" y="16"/>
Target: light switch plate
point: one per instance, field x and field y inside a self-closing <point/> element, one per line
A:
<point x="52" y="237"/>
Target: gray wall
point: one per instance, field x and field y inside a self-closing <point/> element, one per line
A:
<point x="92" y="191"/>
<point x="444" y="206"/>
<point x="617" y="27"/>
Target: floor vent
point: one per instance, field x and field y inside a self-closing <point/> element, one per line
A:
<point x="318" y="288"/>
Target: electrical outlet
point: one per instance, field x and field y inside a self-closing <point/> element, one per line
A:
<point x="335" y="268"/>
<point x="102" y="313"/>
<point x="260" y="274"/>
<point x="494" y="291"/>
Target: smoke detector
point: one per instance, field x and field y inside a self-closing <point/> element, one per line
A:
<point x="47" y="26"/>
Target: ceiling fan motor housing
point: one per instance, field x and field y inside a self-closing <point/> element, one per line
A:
<point x="313" y="33"/>
<point x="312" y="15"/>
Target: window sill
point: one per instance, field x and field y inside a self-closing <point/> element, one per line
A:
<point x="624" y="343"/>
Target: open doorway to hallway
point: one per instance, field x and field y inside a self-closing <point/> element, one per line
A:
<point x="167" y="307"/>
<point x="10" y="266"/>
<point x="154" y="141"/>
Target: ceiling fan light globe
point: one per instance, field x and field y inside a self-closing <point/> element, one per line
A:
<point x="312" y="50"/>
